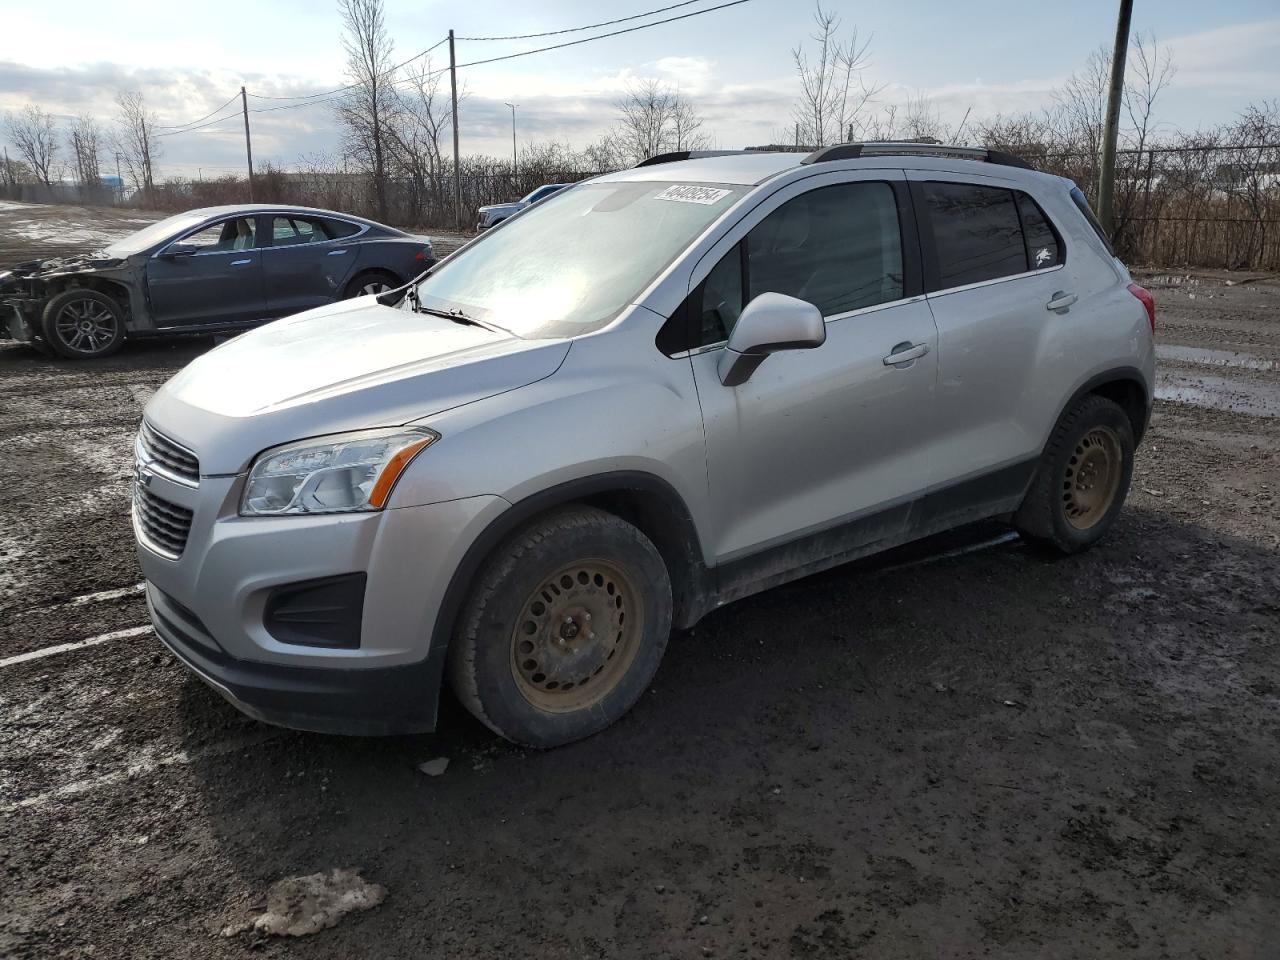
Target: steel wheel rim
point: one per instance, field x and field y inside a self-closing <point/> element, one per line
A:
<point x="576" y="637"/>
<point x="86" y="325"/>
<point x="1092" y="477"/>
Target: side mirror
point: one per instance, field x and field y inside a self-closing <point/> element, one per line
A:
<point x="769" y="323"/>
<point x="175" y="250"/>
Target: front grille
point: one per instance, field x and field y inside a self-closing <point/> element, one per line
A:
<point x="168" y="456"/>
<point x="165" y="525"/>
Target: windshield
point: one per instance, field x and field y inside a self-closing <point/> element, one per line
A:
<point x="156" y="233"/>
<point x="569" y="265"/>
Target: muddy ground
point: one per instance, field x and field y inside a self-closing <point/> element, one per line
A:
<point x="932" y="754"/>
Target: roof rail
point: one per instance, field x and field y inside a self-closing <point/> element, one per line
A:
<point x="851" y="151"/>
<point x="685" y="155"/>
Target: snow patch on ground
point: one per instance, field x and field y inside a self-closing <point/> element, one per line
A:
<point x="302" y="905"/>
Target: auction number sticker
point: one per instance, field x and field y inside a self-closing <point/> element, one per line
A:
<point x="687" y="193"/>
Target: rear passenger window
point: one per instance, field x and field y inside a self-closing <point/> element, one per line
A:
<point x="1043" y="247"/>
<point x="976" y="231"/>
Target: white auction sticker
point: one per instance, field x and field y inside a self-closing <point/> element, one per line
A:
<point x="687" y="193"/>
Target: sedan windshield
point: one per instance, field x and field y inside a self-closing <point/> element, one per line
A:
<point x="570" y="264"/>
<point x="166" y="229"/>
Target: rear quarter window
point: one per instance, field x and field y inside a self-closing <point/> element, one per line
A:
<point x="337" y="229"/>
<point x="1044" y="247"/>
<point x="1078" y="198"/>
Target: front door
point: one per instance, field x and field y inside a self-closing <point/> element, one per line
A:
<point x="219" y="282"/>
<point x="822" y="451"/>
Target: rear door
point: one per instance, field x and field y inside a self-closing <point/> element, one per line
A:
<point x="304" y="266"/>
<point x="822" y="450"/>
<point x="993" y="267"/>
<point x="220" y="283"/>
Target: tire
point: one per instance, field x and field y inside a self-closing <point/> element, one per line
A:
<point x="371" y="282"/>
<point x="1082" y="480"/>
<point x="525" y="658"/>
<point x="82" y="324"/>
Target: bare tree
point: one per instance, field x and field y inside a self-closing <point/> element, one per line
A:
<point x="834" y="92"/>
<point x="85" y="139"/>
<point x="367" y="110"/>
<point x="415" y="132"/>
<point x="32" y="131"/>
<point x="655" y="119"/>
<point x="917" y="120"/>
<point x="135" y="140"/>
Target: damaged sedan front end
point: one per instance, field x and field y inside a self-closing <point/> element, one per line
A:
<point x="93" y="324"/>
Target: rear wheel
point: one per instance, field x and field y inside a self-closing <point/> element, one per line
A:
<point x="564" y="628"/>
<point x="1082" y="479"/>
<point x="83" y="324"/>
<point x="371" y="282"/>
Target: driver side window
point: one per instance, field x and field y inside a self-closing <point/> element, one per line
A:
<point x="237" y="234"/>
<point x="838" y="247"/>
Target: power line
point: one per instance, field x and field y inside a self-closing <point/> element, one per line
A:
<point x="329" y="93"/>
<point x="171" y="126"/>
<point x="201" y="126"/>
<point x="601" y="36"/>
<point x="590" y="26"/>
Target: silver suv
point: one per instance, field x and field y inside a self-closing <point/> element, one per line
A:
<point x="654" y="393"/>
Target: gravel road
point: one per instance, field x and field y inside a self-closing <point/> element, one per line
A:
<point x="960" y="749"/>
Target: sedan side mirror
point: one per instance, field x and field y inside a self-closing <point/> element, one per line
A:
<point x="769" y="323"/>
<point x="178" y="250"/>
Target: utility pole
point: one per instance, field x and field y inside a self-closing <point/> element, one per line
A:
<point x="248" y="145"/>
<point x="457" y="170"/>
<point x="514" y="169"/>
<point x="1107" y="175"/>
<point x="8" y="170"/>
<point x="120" y="186"/>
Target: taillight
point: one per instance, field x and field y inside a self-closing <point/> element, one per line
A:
<point x="1148" y="301"/>
<point x="423" y="254"/>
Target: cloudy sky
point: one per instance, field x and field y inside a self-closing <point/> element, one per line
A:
<point x="988" y="55"/>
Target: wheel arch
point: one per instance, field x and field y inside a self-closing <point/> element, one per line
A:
<point x="644" y="500"/>
<point x="117" y="290"/>
<point x="360" y="272"/>
<point x="1125" y="386"/>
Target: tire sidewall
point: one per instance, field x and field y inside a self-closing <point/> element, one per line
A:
<point x="367" y="276"/>
<point x="505" y="706"/>
<point x="55" y="307"/>
<point x="1102" y="413"/>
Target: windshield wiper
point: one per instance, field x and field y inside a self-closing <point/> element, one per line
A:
<point x="458" y="316"/>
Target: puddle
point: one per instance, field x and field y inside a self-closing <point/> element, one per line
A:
<point x="1215" y="358"/>
<point x="1220" y="393"/>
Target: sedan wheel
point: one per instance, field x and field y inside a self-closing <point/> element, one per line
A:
<point x="83" y="324"/>
<point x="374" y="287"/>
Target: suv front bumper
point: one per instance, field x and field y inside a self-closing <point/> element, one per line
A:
<point x="213" y="606"/>
<point x="319" y="699"/>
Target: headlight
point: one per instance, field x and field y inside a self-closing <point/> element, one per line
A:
<point x="341" y="473"/>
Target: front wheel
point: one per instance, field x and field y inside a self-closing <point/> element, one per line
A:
<point x="82" y="324"/>
<point x="1082" y="479"/>
<point x="564" y="628"/>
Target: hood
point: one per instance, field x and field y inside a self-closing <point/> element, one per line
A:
<point x="347" y="366"/>
<point x="57" y="265"/>
<point x="502" y="207"/>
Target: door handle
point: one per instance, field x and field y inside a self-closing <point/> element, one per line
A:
<point x="335" y="253"/>
<point x="240" y="263"/>
<point x="905" y="352"/>
<point x="1061" y="300"/>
